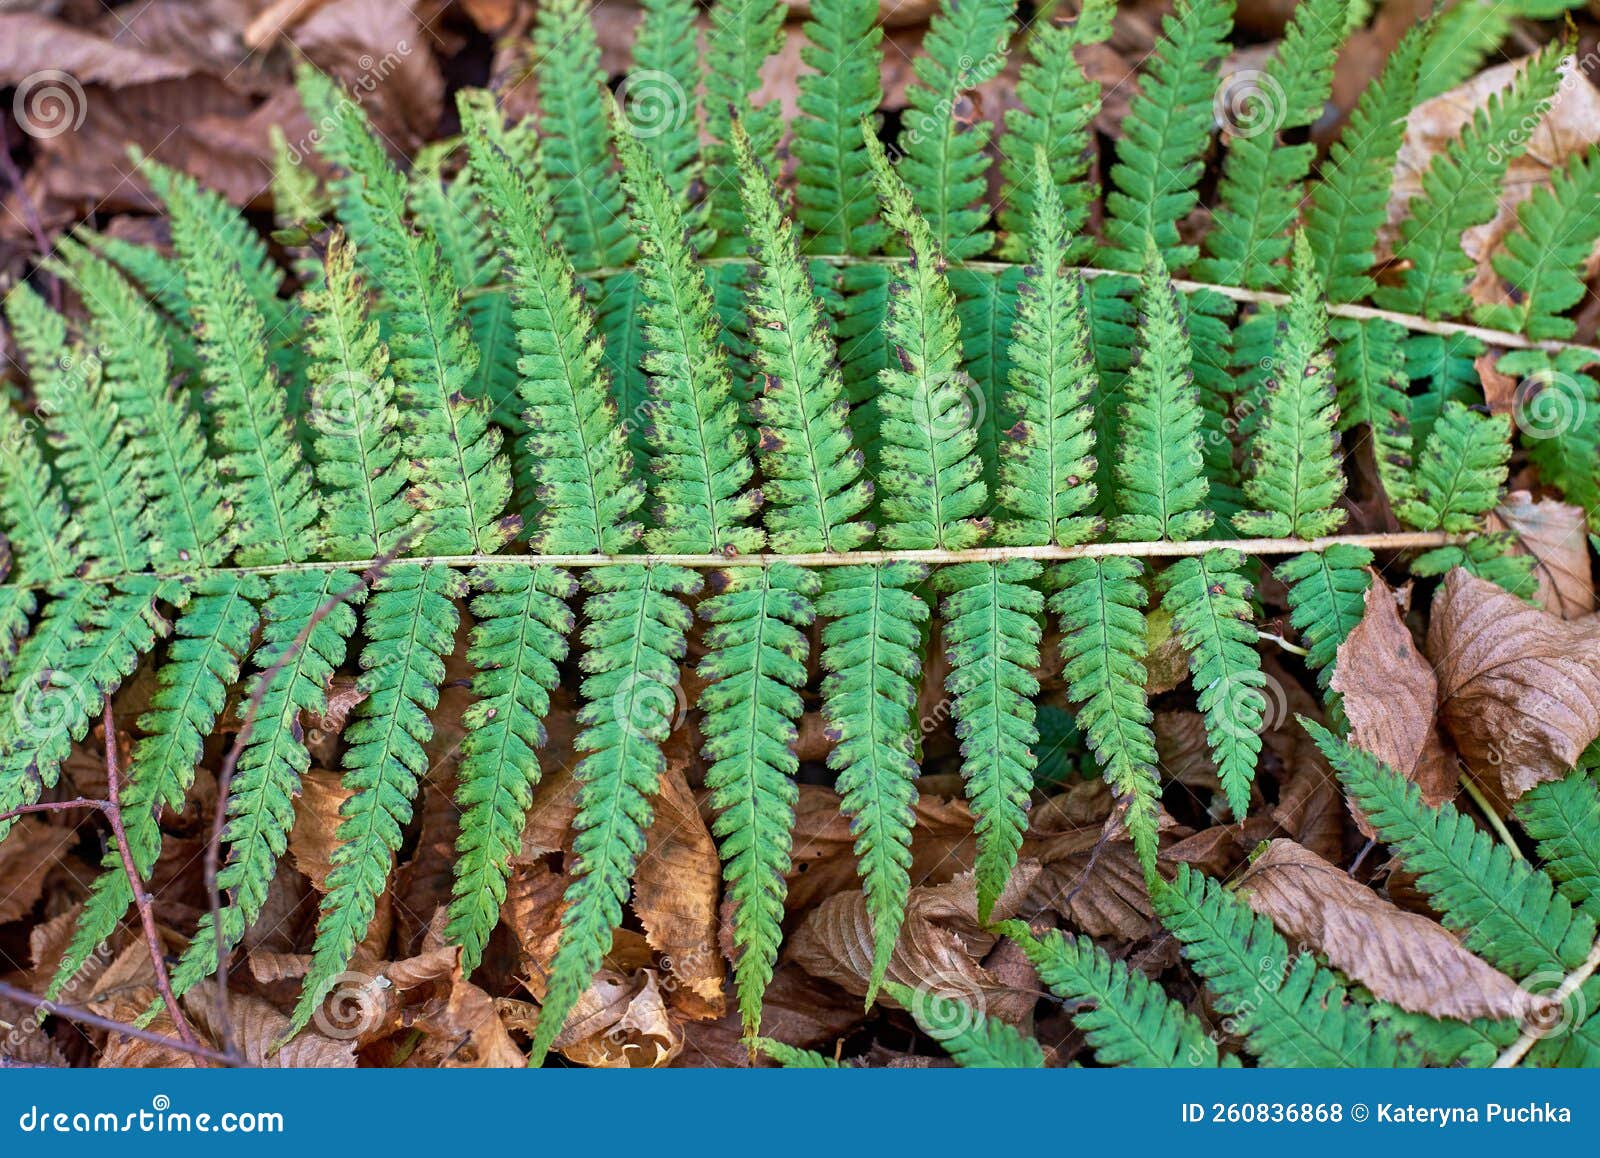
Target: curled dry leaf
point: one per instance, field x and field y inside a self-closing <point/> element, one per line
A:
<point x="1391" y="697"/>
<point x="458" y="1022"/>
<point x="26" y="858"/>
<point x="1402" y="957"/>
<point x="621" y="1022"/>
<point x="258" y="1026"/>
<point x="1557" y="536"/>
<point x="940" y="950"/>
<point x="1519" y="688"/>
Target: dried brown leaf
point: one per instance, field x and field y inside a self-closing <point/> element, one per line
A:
<point x="675" y="893"/>
<point x="1391" y="696"/>
<point x="1402" y="957"/>
<point x="27" y="855"/>
<point x="1519" y="688"/>
<point x="314" y="836"/>
<point x="1556" y="535"/>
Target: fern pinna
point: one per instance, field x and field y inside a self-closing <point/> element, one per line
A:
<point x="580" y="401"/>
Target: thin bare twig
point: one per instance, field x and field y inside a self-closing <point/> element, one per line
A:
<point x="230" y="763"/>
<point x="1504" y="339"/>
<point x="111" y="809"/>
<point x="142" y="900"/>
<point x="84" y="1017"/>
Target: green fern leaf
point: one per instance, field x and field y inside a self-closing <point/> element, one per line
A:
<point x="1461" y="472"/>
<point x="1327" y="597"/>
<point x="1563" y="816"/>
<point x="833" y="186"/>
<point x="1103" y="645"/>
<point x="973" y="1038"/>
<point x="1123" y="1015"/>
<point x="657" y="97"/>
<point x="742" y="35"/>
<point x="872" y="652"/>
<point x="1209" y="601"/>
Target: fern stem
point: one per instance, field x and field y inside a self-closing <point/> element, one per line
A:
<point x="1534" y="1033"/>
<point x="1413" y="322"/>
<point x="1493" y="817"/>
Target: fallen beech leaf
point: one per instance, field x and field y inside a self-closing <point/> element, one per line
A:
<point x="257" y="1027"/>
<point x="1519" y="688"/>
<point x="458" y="1021"/>
<point x="1556" y="535"/>
<point x="1402" y="957"/>
<point x="316" y="824"/>
<point x="27" y="855"/>
<point x="1391" y="695"/>
<point x="939" y="951"/>
<point x="675" y="894"/>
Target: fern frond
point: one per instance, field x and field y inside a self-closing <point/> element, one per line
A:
<point x="702" y="464"/>
<point x="1327" y="597"/>
<point x="1103" y="645"/>
<point x="409" y="623"/>
<point x="930" y="488"/>
<point x="791" y="1057"/>
<point x="186" y="517"/>
<point x="273" y="756"/>
<point x="580" y="467"/>
<point x="658" y="96"/>
<point x="210" y="639"/>
<point x="1124" y="1016"/>
<point x="1296" y="480"/>
<point x="1056" y="107"/>
<point x="969" y="1035"/>
<point x="1259" y="193"/>
<point x="1507" y="912"/>
<point x="1290" y="1010"/>
<point x="635" y="637"/>
<point x="991" y="638"/>
<point x="742" y="35"/>
<point x="941" y="143"/>
<point x="1047" y="466"/>
<point x="40" y="528"/>
<point x="518" y="639"/>
<point x="100" y="643"/>
<point x="461" y="480"/>
<point x="91" y="447"/>
<point x="1542" y="261"/>
<point x="1461" y="189"/>
<point x="833" y="186"/>
<point x="1160" y="461"/>
<point x="1349" y="203"/>
<point x="364" y="509"/>
<point x="1563" y="816"/>
<point x="815" y="495"/>
<point x="574" y="148"/>
<point x="1209" y="601"/>
<point x="1165" y="137"/>
<point x="872" y="652"/>
<point x="756" y="660"/>
<point x="1461" y="472"/>
<point x="1369" y="370"/>
<point x="273" y="496"/>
